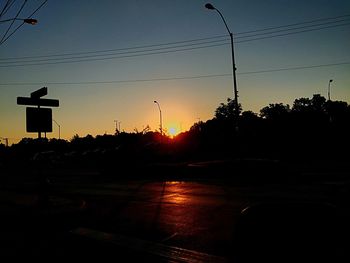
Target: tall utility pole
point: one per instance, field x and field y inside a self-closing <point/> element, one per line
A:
<point x="329" y="89"/>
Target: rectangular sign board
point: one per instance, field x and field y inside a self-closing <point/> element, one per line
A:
<point x="37" y="102"/>
<point x="39" y="119"/>
<point x="39" y="93"/>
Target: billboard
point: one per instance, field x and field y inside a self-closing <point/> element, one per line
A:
<point x="39" y="119"/>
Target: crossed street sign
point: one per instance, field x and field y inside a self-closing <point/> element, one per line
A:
<point x="35" y="99"/>
<point x="38" y="119"/>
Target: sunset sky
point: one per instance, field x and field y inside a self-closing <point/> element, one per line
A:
<point x="110" y="60"/>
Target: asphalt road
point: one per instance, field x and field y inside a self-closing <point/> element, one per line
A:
<point x="176" y="221"/>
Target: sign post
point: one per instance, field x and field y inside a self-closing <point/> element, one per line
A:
<point x="38" y="119"/>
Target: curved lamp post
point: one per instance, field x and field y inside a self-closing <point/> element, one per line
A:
<point x="160" y="118"/>
<point x="211" y="7"/>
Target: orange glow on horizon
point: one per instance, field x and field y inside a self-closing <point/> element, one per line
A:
<point x="173" y="129"/>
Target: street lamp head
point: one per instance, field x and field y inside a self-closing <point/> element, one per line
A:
<point x="331" y="80"/>
<point x="209" y="6"/>
<point x="155" y="101"/>
<point x="30" y="21"/>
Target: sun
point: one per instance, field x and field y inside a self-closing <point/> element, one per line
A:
<point x="173" y="131"/>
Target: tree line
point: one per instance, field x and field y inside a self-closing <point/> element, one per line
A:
<point x="311" y="129"/>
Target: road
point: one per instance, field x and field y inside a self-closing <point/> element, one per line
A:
<point x="198" y="216"/>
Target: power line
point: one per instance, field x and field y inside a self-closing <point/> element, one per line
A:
<point x="119" y="49"/>
<point x="170" y="46"/>
<point x="112" y="57"/>
<point x="3" y="39"/>
<point x="14" y="31"/>
<point x="294" y="68"/>
<point x="186" y="41"/>
<point x="296" y="28"/>
<point x="174" y="78"/>
<point x="140" y="53"/>
<point x="131" y="53"/>
<point x="290" y="33"/>
<point x="115" y="81"/>
<point x="7" y="6"/>
<point x="290" y="25"/>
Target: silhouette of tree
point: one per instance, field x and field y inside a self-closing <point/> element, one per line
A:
<point x="313" y="128"/>
<point x="315" y="104"/>
<point x="197" y="127"/>
<point x="227" y="111"/>
<point x="310" y="127"/>
<point x="301" y="104"/>
<point x="146" y="129"/>
<point x="338" y="111"/>
<point x="249" y="121"/>
<point x="277" y="111"/>
<point x="318" y="103"/>
<point x="310" y="112"/>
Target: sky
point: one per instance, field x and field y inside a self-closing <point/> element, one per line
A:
<point x="108" y="61"/>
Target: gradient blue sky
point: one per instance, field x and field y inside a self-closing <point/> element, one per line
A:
<point x="84" y="26"/>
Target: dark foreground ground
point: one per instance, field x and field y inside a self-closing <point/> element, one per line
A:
<point x="215" y="211"/>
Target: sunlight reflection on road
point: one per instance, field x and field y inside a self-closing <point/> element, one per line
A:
<point x="175" y="192"/>
<point x="175" y="213"/>
<point x="192" y="213"/>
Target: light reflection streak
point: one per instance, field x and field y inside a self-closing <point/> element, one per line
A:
<point x="174" y="212"/>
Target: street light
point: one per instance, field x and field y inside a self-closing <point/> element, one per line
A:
<point x="211" y="7"/>
<point x="30" y="21"/>
<point x="116" y="127"/>
<point x="329" y="89"/>
<point x="160" y="118"/>
<point x="59" y="129"/>
<point x="117" y="123"/>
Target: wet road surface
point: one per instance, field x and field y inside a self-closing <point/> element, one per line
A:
<point x="199" y="217"/>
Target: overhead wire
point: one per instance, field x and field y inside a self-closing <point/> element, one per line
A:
<point x="168" y="47"/>
<point x="220" y="42"/>
<point x="292" y="25"/>
<point x="3" y="39"/>
<point x="7" y="6"/>
<point x="136" y="52"/>
<point x="295" y="28"/>
<point x="113" y="57"/>
<point x="290" y="33"/>
<point x="176" y="78"/>
<point x="118" y="49"/>
<point x="14" y="31"/>
<point x="191" y="40"/>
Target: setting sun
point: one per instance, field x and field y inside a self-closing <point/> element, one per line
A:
<point x="173" y="129"/>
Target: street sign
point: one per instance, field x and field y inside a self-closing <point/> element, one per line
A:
<point x="39" y="93"/>
<point x="39" y="119"/>
<point x="37" y="102"/>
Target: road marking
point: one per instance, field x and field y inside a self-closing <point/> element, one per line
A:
<point x="169" y="237"/>
<point x="173" y="254"/>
